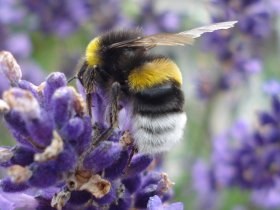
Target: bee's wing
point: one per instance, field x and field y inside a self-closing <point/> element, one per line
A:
<point x="166" y="39"/>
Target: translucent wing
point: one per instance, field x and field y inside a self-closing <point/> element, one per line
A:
<point x="168" y="39"/>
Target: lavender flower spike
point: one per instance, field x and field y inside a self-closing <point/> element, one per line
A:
<point x="56" y="149"/>
<point x="10" y="67"/>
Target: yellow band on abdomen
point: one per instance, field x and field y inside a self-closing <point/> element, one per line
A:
<point x="154" y="73"/>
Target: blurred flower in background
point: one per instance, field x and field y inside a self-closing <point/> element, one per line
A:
<point x="238" y="52"/>
<point x="246" y="157"/>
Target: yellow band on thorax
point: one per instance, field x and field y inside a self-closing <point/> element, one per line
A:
<point x="154" y="73"/>
<point x="92" y="56"/>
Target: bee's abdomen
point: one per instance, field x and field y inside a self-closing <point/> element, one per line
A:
<point x="159" y="118"/>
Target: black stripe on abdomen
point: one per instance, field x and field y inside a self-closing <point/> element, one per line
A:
<point x="162" y="99"/>
<point x="158" y="119"/>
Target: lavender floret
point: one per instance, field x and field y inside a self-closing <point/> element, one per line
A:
<point x="103" y="156"/>
<point x="155" y="203"/>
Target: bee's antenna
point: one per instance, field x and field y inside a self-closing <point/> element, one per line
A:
<point x="72" y="78"/>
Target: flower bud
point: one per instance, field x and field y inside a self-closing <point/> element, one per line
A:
<point x="142" y="197"/>
<point x="22" y="156"/>
<point x="23" y="102"/>
<point x="73" y="129"/>
<point x="62" y="105"/>
<point x="133" y="183"/>
<point x="5" y="154"/>
<point x="117" y="168"/>
<point x="103" y="156"/>
<point x="25" y="85"/>
<point x="10" y="67"/>
<point x="4" y="107"/>
<point x="54" y="81"/>
<point x="123" y="203"/>
<point x="8" y="186"/>
<point x="138" y="164"/>
<point x="43" y="175"/>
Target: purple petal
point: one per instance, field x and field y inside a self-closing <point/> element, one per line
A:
<point x="16" y="122"/>
<point x="84" y="139"/>
<point x="53" y="82"/>
<point x="40" y="129"/>
<point x="154" y="203"/>
<point x="123" y="203"/>
<point x="43" y="176"/>
<point x="15" y="201"/>
<point x="22" y="156"/>
<point x="8" y="186"/>
<point x="104" y="155"/>
<point x="79" y="197"/>
<point x="152" y="178"/>
<point x="66" y="160"/>
<point x="5" y="203"/>
<point x="62" y="105"/>
<point x="117" y="168"/>
<point x="26" y="85"/>
<point x="132" y="184"/>
<point x="142" y="196"/>
<point x="138" y="164"/>
<point x="73" y="129"/>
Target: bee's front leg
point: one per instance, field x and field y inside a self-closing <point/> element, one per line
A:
<point x="89" y="104"/>
<point x="113" y="113"/>
<point x="114" y="105"/>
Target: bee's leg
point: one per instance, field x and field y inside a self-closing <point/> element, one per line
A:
<point x="132" y="153"/>
<point x="71" y="79"/>
<point x="89" y="103"/>
<point x="134" y="150"/>
<point x="113" y="113"/>
<point x="114" y="105"/>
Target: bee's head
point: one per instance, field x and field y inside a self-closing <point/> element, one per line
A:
<point x="87" y="75"/>
<point x="90" y="65"/>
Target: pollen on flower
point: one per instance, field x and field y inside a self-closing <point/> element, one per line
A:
<point x="126" y="139"/>
<point x="60" y="199"/>
<point x="166" y="183"/>
<point x="51" y="151"/>
<point x="19" y="174"/>
<point x="97" y="186"/>
<point x="22" y="101"/>
<point x="5" y="154"/>
<point x="79" y="103"/>
<point x="4" y="107"/>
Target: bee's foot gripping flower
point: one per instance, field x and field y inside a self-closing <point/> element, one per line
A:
<point x="51" y="166"/>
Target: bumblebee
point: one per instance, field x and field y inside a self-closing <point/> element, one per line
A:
<point x="119" y="67"/>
